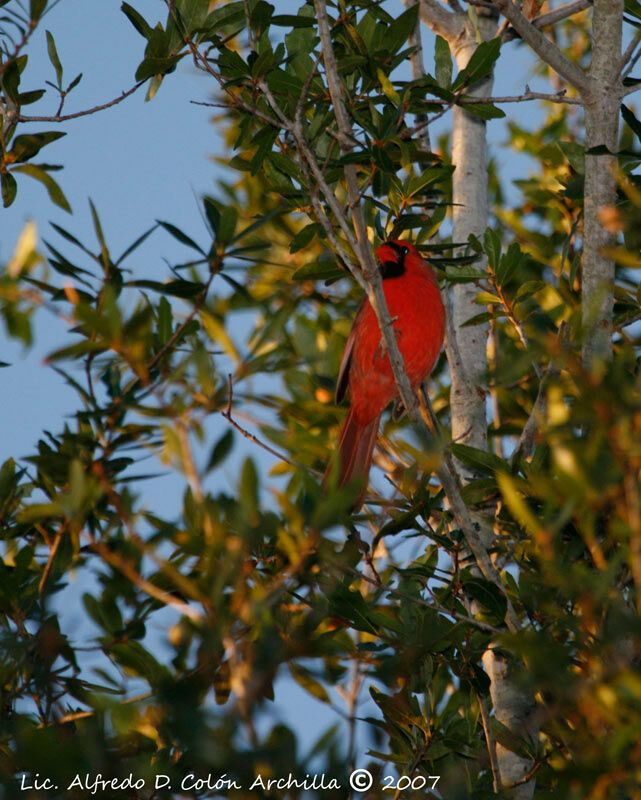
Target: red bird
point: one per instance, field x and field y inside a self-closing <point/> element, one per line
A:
<point x="416" y="308"/>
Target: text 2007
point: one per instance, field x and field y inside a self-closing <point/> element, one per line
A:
<point x="392" y="784"/>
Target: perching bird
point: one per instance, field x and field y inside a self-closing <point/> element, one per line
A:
<point x="415" y="306"/>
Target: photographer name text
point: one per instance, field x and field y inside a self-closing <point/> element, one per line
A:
<point x="360" y="780"/>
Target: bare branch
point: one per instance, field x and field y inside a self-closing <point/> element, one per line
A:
<point x="125" y="566"/>
<point x="561" y="13"/>
<point x="526" y="440"/>
<point x="491" y="743"/>
<point x="440" y="20"/>
<point x="418" y="72"/>
<point x="477" y="623"/>
<point x="544" y="47"/>
<point x="75" y="715"/>
<point x="552" y="17"/>
<point x="556" y="97"/>
<point x="227" y="414"/>
<point x="630" y="56"/>
<point x="64" y="117"/>
<point x="449" y="481"/>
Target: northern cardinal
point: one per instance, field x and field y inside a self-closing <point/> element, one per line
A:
<point x="416" y="308"/>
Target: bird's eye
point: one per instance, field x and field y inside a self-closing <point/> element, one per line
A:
<point x="405" y="250"/>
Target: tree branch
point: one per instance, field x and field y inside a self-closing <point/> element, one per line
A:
<point x="227" y="415"/>
<point x="85" y="113"/>
<point x="552" y="17"/>
<point x="445" y="23"/>
<point x="491" y="742"/>
<point x="544" y="47"/>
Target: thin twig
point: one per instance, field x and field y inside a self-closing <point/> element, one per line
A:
<point x="625" y="72"/>
<point x="86" y="112"/>
<point x="125" y="566"/>
<point x="529" y="774"/>
<point x="484" y="626"/>
<point x="551" y="17"/>
<point x="75" y="715"/>
<point x="491" y="742"/>
<point x="418" y="72"/>
<point x="544" y="47"/>
<point x="50" y="560"/>
<point x="516" y="324"/>
<point x="228" y="416"/>
<point x="528" y="434"/>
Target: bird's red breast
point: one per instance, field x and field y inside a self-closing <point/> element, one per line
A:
<point x="416" y="308"/>
<point x="418" y="316"/>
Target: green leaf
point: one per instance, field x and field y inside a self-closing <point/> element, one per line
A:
<point x="388" y="87"/>
<point x="9" y="188"/>
<point x="229" y="14"/>
<point x="308" y="682"/>
<point x="137" y="20"/>
<point x="481" y="460"/>
<point x="248" y="489"/>
<point x="221" y="450"/>
<point x="443" y="63"/>
<point x="528" y="289"/>
<point x="487" y="299"/>
<point x="464" y="273"/>
<point x="509" y="264"/>
<point x="191" y="16"/>
<point x="292" y="21"/>
<point x="492" y="247"/>
<point x="484" y="110"/>
<point x="575" y="154"/>
<point x="26" y="98"/>
<point x="631" y="120"/>
<point x="304" y="237"/>
<point x="400" y="30"/>
<point x="74" y="82"/>
<point x="36" y="7"/>
<point x="227" y="225"/>
<point x="212" y="213"/>
<point x="180" y="236"/>
<point x="165" y="326"/>
<point x="486" y="593"/>
<point x="479" y="65"/>
<point x="53" y="189"/>
<point x="479" y="319"/>
<point x="136" y="659"/>
<point x="153" y="66"/>
<point x="175" y="288"/>
<point x="318" y="270"/>
<point x="53" y="57"/>
<point x="28" y="145"/>
<point x="11" y="80"/>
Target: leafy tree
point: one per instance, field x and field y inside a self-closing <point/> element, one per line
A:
<point x="488" y="597"/>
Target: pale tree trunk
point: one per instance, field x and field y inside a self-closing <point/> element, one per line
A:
<point x="470" y="214"/>
<point x="602" y="104"/>
<point x="512" y="707"/>
<point x="602" y="91"/>
<point x="467" y="356"/>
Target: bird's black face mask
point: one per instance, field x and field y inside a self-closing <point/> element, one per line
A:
<point x="396" y="268"/>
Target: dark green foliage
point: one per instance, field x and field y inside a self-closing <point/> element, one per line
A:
<point x="170" y="662"/>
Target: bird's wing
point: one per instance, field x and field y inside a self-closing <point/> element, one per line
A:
<point x="343" y="372"/>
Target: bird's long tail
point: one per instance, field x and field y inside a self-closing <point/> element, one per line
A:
<point x="355" y="449"/>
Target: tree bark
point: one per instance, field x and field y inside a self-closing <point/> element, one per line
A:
<point x="602" y="104"/>
<point x="469" y="196"/>
<point x="512" y="706"/>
